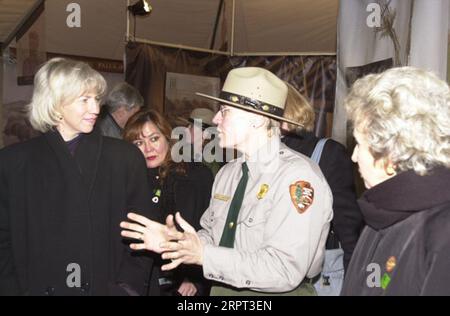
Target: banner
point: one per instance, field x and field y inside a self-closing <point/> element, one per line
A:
<point x="180" y="98"/>
<point x="149" y="66"/>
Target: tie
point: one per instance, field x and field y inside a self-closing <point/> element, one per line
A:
<point x="229" y="231"/>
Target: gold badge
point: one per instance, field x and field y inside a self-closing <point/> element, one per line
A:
<point x="262" y="191"/>
<point x="221" y="197"/>
<point x="302" y="195"/>
<point x="390" y="264"/>
<point x="265" y="108"/>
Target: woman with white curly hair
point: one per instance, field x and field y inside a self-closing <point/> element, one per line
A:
<point x="401" y="121"/>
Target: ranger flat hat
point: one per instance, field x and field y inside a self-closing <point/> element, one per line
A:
<point x="255" y="90"/>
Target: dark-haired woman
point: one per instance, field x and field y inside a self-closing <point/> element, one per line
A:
<point x="183" y="187"/>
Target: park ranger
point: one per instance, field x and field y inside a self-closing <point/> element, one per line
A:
<point x="266" y="226"/>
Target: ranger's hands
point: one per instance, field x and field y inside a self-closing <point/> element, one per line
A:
<point x="151" y="233"/>
<point x="184" y="247"/>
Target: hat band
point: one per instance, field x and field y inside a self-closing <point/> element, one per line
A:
<point x="255" y="104"/>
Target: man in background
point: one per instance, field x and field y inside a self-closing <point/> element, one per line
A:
<point x="122" y="102"/>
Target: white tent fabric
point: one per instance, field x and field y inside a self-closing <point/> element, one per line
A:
<point x="429" y="40"/>
<point x="359" y="44"/>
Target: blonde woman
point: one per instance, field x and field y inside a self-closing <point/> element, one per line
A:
<point x="64" y="193"/>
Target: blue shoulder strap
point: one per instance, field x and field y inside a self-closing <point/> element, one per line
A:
<point x="317" y="153"/>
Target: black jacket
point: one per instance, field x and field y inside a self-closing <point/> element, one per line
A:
<point x="407" y="238"/>
<point x="337" y="168"/>
<point x="190" y="195"/>
<point x="57" y="209"/>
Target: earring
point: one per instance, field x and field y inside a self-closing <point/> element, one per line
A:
<point x="390" y="171"/>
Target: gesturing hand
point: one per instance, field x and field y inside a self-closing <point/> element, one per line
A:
<point x="183" y="247"/>
<point x="151" y="233"/>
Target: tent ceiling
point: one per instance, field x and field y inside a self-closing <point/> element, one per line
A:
<point x="102" y="31"/>
<point x="286" y="26"/>
<point x="296" y="26"/>
<point x="260" y="25"/>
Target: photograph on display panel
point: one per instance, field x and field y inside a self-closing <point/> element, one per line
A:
<point x="180" y="98"/>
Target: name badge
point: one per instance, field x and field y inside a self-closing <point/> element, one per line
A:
<point x="221" y="197"/>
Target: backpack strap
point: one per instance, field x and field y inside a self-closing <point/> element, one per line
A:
<point x="317" y="153"/>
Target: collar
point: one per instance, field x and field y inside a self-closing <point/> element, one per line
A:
<point x="74" y="140"/>
<point x="73" y="144"/>
<point x="86" y="158"/>
<point x="153" y="173"/>
<point x="404" y="195"/>
<point x="265" y="159"/>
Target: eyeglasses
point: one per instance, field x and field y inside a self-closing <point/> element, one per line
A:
<point x="223" y="110"/>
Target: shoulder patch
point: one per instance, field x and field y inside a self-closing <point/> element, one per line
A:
<point x="302" y="195"/>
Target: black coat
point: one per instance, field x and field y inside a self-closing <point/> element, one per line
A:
<point x="190" y="195"/>
<point x="405" y="247"/>
<point x="337" y="167"/>
<point x="57" y="209"/>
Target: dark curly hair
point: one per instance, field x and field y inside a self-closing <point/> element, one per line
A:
<point x="133" y="130"/>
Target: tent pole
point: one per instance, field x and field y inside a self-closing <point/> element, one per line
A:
<point x="203" y="50"/>
<point x="284" y="54"/>
<point x="1" y="96"/>
<point x="127" y="36"/>
<point x="232" y="28"/>
<point x="216" y="24"/>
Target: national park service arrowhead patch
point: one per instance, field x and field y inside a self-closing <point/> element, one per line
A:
<point x="302" y="195"/>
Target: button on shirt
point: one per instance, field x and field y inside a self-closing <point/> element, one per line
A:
<point x="275" y="246"/>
